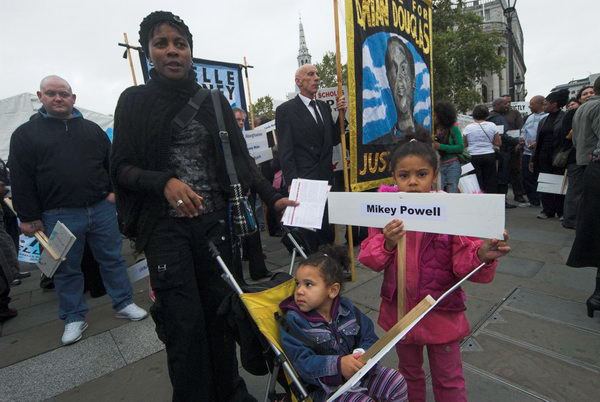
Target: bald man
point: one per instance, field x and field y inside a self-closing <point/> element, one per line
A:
<point x="59" y="169"/>
<point x="528" y="135"/>
<point x="306" y="132"/>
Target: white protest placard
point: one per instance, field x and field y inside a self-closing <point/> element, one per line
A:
<point x="514" y="133"/>
<point x="552" y="183"/>
<point x="329" y="96"/>
<point x="500" y="129"/>
<point x="479" y="215"/>
<point x="61" y="239"/>
<point x="312" y="195"/>
<point x="258" y="144"/>
<point x="138" y="271"/>
<point x="29" y="249"/>
<point x="469" y="184"/>
<point x="467" y="168"/>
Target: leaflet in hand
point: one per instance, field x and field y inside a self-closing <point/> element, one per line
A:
<point x="312" y="195"/>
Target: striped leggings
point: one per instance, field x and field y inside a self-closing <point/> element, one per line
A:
<point x="382" y="384"/>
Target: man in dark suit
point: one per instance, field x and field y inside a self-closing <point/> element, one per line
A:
<point x="306" y="135"/>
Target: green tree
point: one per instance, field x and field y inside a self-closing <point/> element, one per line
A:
<point x="327" y="70"/>
<point x="264" y="107"/>
<point x="463" y="53"/>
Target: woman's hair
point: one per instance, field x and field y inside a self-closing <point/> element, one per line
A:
<point x="560" y="97"/>
<point x="445" y="114"/>
<point x="413" y="143"/>
<point x="574" y="100"/>
<point x="157" y="18"/>
<point x="580" y="92"/>
<point x="331" y="262"/>
<point x="480" y="112"/>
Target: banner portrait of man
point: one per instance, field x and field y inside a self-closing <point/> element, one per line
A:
<point x="389" y="64"/>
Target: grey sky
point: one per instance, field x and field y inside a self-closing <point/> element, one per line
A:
<point x="78" y="41"/>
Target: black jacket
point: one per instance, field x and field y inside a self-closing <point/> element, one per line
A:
<point x="142" y="135"/>
<point x="304" y="151"/>
<point x="546" y="146"/>
<point x="508" y="142"/>
<point x="58" y="163"/>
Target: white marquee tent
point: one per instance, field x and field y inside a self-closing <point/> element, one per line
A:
<point x="17" y="110"/>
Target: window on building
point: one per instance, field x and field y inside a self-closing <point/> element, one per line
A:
<point x="484" y="92"/>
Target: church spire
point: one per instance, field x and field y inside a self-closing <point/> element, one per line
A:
<point x="303" y="55"/>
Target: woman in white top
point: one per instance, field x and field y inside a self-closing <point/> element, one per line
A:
<point x="480" y="138"/>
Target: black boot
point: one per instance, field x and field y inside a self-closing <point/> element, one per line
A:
<point x="593" y="303"/>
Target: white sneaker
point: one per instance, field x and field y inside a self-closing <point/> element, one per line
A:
<point x="132" y="312"/>
<point x="73" y="331"/>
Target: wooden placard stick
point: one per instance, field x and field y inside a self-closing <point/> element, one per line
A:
<point x="401" y="262"/>
<point x="39" y="235"/>
<point x="412" y="315"/>
<point x="341" y="117"/>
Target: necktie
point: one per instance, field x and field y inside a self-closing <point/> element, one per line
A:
<point x="317" y="115"/>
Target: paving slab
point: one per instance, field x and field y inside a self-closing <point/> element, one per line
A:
<point x="145" y="380"/>
<point x="137" y="340"/>
<point x="583" y="279"/>
<point x="554" y="238"/>
<point x="534" y="371"/>
<point x="367" y="294"/>
<point x="537" y="251"/>
<point x="580" y="346"/>
<point x="57" y="371"/>
<point x="519" y="267"/>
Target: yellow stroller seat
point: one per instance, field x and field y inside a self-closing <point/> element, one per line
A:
<point x="263" y="307"/>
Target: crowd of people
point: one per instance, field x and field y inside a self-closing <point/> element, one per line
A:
<point x="168" y="187"/>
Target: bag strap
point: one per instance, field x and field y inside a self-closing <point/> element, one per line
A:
<point x="486" y="134"/>
<point x="224" y="136"/>
<point x="185" y="115"/>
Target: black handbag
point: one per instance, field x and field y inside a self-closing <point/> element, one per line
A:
<point x="241" y="217"/>
<point x="561" y="158"/>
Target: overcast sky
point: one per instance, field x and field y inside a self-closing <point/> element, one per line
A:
<point x="78" y="41"/>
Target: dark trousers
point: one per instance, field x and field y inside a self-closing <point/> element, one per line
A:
<point x="5" y="290"/>
<point x="189" y="290"/>
<point x="485" y="170"/>
<point x="515" y="173"/>
<point x="552" y="204"/>
<point x="530" y="181"/>
<point x="575" y="174"/>
<point x="504" y="160"/>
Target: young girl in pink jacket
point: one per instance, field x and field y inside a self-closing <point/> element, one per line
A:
<point x="434" y="263"/>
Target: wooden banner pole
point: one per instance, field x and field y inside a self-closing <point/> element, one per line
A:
<point x="401" y="261"/>
<point x="250" y="108"/>
<point x="129" y="58"/>
<point x="341" y="116"/>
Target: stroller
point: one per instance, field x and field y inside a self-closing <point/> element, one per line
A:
<point x="258" y="333"/>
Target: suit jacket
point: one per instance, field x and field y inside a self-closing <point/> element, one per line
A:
<point x="304" y="150"/>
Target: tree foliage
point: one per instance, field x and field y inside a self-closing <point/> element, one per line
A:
<point x="463" y="53"/>
<point x="327" y="70"/>
<point x="264" y="107"/>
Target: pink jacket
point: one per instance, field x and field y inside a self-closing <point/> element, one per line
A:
<point x="434" y="263"/>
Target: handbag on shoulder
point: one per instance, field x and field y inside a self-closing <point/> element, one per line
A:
<point x="241" y="217"/>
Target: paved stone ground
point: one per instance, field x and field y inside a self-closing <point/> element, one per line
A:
<point x="531" y="338"/>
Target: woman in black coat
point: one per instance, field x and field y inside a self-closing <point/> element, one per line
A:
<point x="548" y="142"/>
<point x="172" y="190"/>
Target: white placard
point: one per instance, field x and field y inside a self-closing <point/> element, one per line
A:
<point x="138" y="271"/>
<point x="262" y="156"/>
<point x="469" y="185"/>
<point x="500" y="129"/>
<point x="479" y="215"/>
<point x="550" y="178"/>
<point x="514" y="133"/>
<point x="312" y="195"/>
<point x="464" y="169"/>
<point x="61" y="239"/>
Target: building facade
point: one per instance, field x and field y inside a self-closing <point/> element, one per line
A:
<point x="575" y="85"/>
<point x="495" y="85"/>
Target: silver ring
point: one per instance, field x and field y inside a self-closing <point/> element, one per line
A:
<point x="178" y="203"/>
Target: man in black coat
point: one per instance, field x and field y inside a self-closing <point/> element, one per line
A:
<point x="306" y="135"/>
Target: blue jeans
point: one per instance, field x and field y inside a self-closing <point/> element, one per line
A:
<point x="450" y="174"/>
<point x="97" y="223"/>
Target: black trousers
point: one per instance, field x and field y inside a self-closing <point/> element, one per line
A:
<point x="485" y="170"/>
<point x="189" y="290"/>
